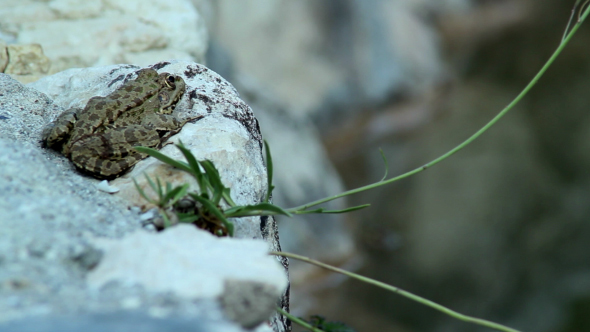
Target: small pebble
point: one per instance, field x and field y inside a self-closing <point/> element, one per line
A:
<point x="104" y="186"/>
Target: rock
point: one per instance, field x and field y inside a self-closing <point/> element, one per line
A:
<point x="23" y="111"/>
<point x="248" y="302"/>
<point x="47" y="221"/>
<point x="195" y="264"/>
<point x="26" y="59"/>
<point x="305" y="57"/>
<point x="302" y="173"/>
<point x="118" y="322"/>
<point x="114" y="32"/>
<point x="272" y="46"/>
<point x="225" y="131"/>
<point x="24" y="62"/>
<point x="52" y="215"/>
<point x="3" y="56"/>
<point x="73" y="9"/>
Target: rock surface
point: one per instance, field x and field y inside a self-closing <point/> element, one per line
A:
<point x="194" y="264"/>
<point x="3" y="56"/>
<point x="117" y="322"/>
<point x="26" y="60"/>
<point x="135" y="31"/>
<point x="225" y="130"/>
<point x="331" y="58"/>
<point x="50" y="244"/>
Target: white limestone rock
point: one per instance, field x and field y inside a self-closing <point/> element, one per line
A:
<point x="75" y="9"/>
<point x="224" y="131"/>
<point x="195" y="264"/>
<point x="52" y="212"/>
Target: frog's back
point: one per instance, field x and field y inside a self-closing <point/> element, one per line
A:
<point x="101" y="112"/>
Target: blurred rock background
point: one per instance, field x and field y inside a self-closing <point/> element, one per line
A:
<point x="500" y="230"/>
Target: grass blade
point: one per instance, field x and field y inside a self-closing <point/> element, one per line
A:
<point x="298" y="320"/>
<point x="194" y="168"/>
<point x="227" y="197"/>
<point x="164" y="158"/>
<point x="269" y="172"/>
<point x="321" y="210"/>
<point x="350" y="209"/>
<point x="257" y="209"/>
<point x="214" y="180"/>
<point x="142" y="193"/>
<point x="207" y="204"/>
<point x="175" y="194"/>
<point x="151" y="183"/>
<point x="386" y="165"/>
<point x="187" y="218"/>
<point x="160" y="190"/>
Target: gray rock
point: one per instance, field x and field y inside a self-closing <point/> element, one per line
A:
<point x="195" y="264"/>
<point x="225" y="131"/>
<point x="3" y="56"/>
<point x="23" y="112"/>
<point x="116" y="322"/>
<point x="248" y="302"/>
<point x="51" y="216"/>
<point x="336" y="58"/>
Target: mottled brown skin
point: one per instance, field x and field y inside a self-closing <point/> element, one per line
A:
<point x="100" y="138"/>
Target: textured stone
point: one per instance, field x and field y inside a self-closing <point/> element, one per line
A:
<point x="225" y="131"/>
<point x="52" y="215"/>
<point x="75" y="9"/>
<point x="3" y="56"/>
<point x="117" y="322"/>
<point x="327" y="58"/>
<point x="195" y="264"/>
<point x="132" y="31"/>
<point x="248" y="302"/>
<point x="26" y="59"/>
<point x="23" y="111"/>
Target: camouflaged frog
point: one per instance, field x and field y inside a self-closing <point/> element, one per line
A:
<point x="100" y="138"/>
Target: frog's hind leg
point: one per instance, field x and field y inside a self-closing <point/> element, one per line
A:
<point x="110" y="154"/>
<point x="105" y="168"/>
<point x="56" y="133"/>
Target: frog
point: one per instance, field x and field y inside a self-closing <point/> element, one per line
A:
<point x="100" y="139"/>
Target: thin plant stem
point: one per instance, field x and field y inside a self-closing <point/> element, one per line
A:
<point x="569" y="22"/>
<point x="298" y="320"/>
<point x="434" y="305"/>
<point x="503" y="112"/>
<point x="580" y="19"/>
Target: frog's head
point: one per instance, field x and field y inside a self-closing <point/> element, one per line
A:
<point x="170" y="94"/>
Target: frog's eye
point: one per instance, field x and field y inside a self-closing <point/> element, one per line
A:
<point x="170" y="80"/>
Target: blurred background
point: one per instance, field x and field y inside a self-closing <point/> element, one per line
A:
<point x="501" y="230"/>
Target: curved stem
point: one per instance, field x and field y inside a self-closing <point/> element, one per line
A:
<point x="434" y="305"/>
<point x="298" y="320"/>
<point x="503" y="112"/>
